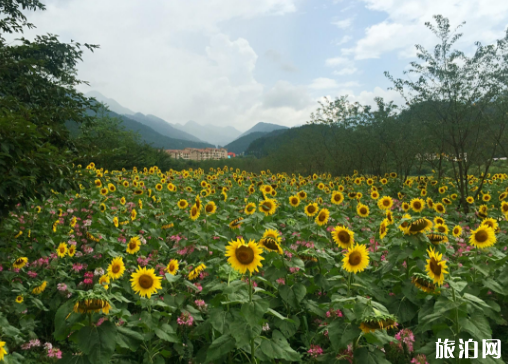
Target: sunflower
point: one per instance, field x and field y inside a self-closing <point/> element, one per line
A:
<point x="158" y="187"/>
<point x="210" y="208"/>
<point x="268" y="206"/>
<point x="272" y="233"/>
<point x="442" y="228"/>
<point x="20" y="262"/>
<point x="389" y="217"/>
<point x="196" y="271"/>
<point x="430" y="203"/>
<point x="483" y="237"/>
<point x="437" y="238"/>
<point x="194" y="212"/>
<point x="98" y="183"/>
<point x="172" y="267"/>
<point x="294" y="200"/>
<point x="486" y="197"/>
<point x="311" y="209"/>
<point x="457" y="231"/>
<point x="145" y="282"/>
<point x="236" y="223"/>
<point x="270" y="244"/>
<point x="439" y="220"/>
<point x="134" y="214"/>
<point x="322" y="217"/>
<point x="383" y="228"/>
<point x="378" y="322"/>
<point x="104" y="191"/>
<point x="362" y="210"/>
<point x="134" y="245"/>
<point x="244" y="256"/>
<point x="483" y="211"/>
<point x="104" y="281"/>
<point x="337" y="198"/>
<point x="343" y="237"/>
<point x="302" y="195"/>
<point x="19" y="299"/>
<point x="470" y="199"/>
<point x="182" y="204"/>
<point x="385" y="203"/>
<point x="492" y="223"/>
<point x="446" y="201"/>
<point x="71" y="251"/>
<point x="423" y="283"/>
<point x="439" y="207"/>
<point x="417" y="204"/>
<point x="356" y="259"/>
<point x="504" y="207"/>
<point x="125" y="183"/>
<point x="40" y="289"/>
<point x="90" y="305"/>
<point x="419" y="226"/>
<point x="436" y="267"/>
<point x="250" y="208"/>
<point x="405" y="206"/>
<point x="116" y="268"/>
<point x="62" y="250"/>
<point x="502" y="196"/>
<point x="122" y="201"/>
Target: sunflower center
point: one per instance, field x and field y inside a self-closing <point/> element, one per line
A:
<point x="481" y="236"/>
<point x="355" y="258"/>
<point x="418" y="225"/>
<point x="386" y="203"/>
<point x="417" y="205"/>
<point x="322" y="217"/>
<point x="245" y="255"/>
<point x="363" y="210"/>
<point x="172" y="267"/>
<point x="62" y="249"/>
<point x="115" y="269"/>
<point x="311" y="209"/>
<point x="209" y="208"/>
<point x="344" y="237"/>
<point x="294" y="201"/>
<point x="441" y="229"/>
<point x="19" y="261"/>
<point x="440" y="208"/>
<point x="132" y="245"/>
<point x="435" y="267"/>
<point x="145" y="281"/>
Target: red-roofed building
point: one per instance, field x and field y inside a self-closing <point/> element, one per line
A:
<point x="198" y="154"/>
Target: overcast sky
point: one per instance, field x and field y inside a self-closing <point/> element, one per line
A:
<point x="239" y="62"/>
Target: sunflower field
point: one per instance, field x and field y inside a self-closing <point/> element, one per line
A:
<point x="227" y="266"/>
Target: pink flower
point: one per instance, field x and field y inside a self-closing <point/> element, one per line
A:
<point x="55" y="353"/>
<point x="61" y="287"/>
<point x="294" y="269"/>
<point x="419" y="359"/>
<point x="315" y="351"/>
<point x="405" y="336"/>
<point x="88" y="281"/>
<point x="31" y="274"/>
<point x="281" y="281"/>
<point x="185" y="319"/>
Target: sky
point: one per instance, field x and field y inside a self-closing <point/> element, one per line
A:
<point x="240" y="62"/>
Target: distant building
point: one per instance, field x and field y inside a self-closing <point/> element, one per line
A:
<point x="198" y="154"/>
<point x="231" y="155"/>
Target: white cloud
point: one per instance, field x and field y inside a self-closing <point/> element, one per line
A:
<point x="404" y="27"/>
<point x="345" y="65"/>
<point x="343" y="24"/>
<point x="343" y="40"/>
<point x="172" y="58"/>
<point x="285" y="94"/>
<point x="345" y="71"/>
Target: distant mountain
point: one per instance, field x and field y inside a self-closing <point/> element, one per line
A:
<point x="147" y="134"/>
<point x="113" y="104"/>
<point x="241" y="144"/>
<point x="264" y="128"/>
<point x="217" y="135"/>
<point x="163" y="127"/>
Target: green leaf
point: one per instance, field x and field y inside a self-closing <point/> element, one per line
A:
<point x="167" y="334"/>
<point x="278" y="348"/>
<point x="493" y="286"/>
<point x="171" y="278"/>
<point x="217" y="318"/>
<point x="477" y="326"/>
<point x="98" y="343"/>
<point x="253" y="311"/>
<point x="292" y="295"/>
<point x="220" y="347"/>
<point x="364" y="356"/>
